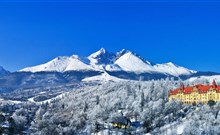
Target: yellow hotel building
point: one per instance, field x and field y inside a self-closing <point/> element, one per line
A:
<point x="196" y="94"/>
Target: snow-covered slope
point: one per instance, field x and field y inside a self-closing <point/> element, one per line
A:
<point x="76" y="64"/>
<point x="61" y="64"/>
<point x="105" y="77"/>
<point x="132" y="63"/>
<point x="173" y="69"/>
<point x="205" y="79"/>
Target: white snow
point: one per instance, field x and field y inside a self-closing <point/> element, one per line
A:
<point x="205" y="78"/>
<point x="130" y="62"/>
<point x="94" y="55"/>
<point x="101" y="60"/>
<point x="48" y="100"/>
<point x="105" y="77"/>
<point x="173" y="69"/>
<point x="43" y="92"/>
<point x="61" y="64"/>
<point x="10" y="101"/>
<point x="31" y="99"/>
<point x="180" y="128"/>
<point x="14" y="101"/>
<point x="76" y="64"/>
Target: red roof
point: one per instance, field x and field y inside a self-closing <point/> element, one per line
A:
<point x="188" y="89"/>
<point x="201" y="88"/>
<point x="204" y="87"/>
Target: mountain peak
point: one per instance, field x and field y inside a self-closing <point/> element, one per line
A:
<point x="171" y="64"/>
<point x="120" y="53"/>
<point x="3" y="71"/>
<point x="141" y="58"/>
<point x="132" y="62"/>
<point x="102" y="50"/>
<point x="61" y="64"/>
<point x="98" y="53"/>
<point x="101" y="57"/>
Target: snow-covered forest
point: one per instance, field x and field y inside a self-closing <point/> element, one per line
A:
<point x="79" y="111"/>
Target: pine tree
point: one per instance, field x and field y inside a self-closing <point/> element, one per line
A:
<point x="12" y="125"/>
<point x="97" y="100"/>
<point x="85" y="107"/>
<point x="142" y="100"/>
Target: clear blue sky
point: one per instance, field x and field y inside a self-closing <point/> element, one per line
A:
<point x="186" y="33"/>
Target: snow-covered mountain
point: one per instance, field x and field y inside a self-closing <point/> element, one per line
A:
<point x="61" y="64"/>
<point x="102" y="60"/>
<point x="101" y="57"/>
<point x="205" y="79"/>
<point x="132" y="63"/>
<point x="172" y="69"/>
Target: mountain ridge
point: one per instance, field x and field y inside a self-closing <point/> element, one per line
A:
<point x="102" y="60"/>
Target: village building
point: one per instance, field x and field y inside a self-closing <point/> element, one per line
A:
<point x="196" y="94"/>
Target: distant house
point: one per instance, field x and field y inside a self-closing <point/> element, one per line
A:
<point x="121" y="122"/>
<point x="196" y="94"/>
